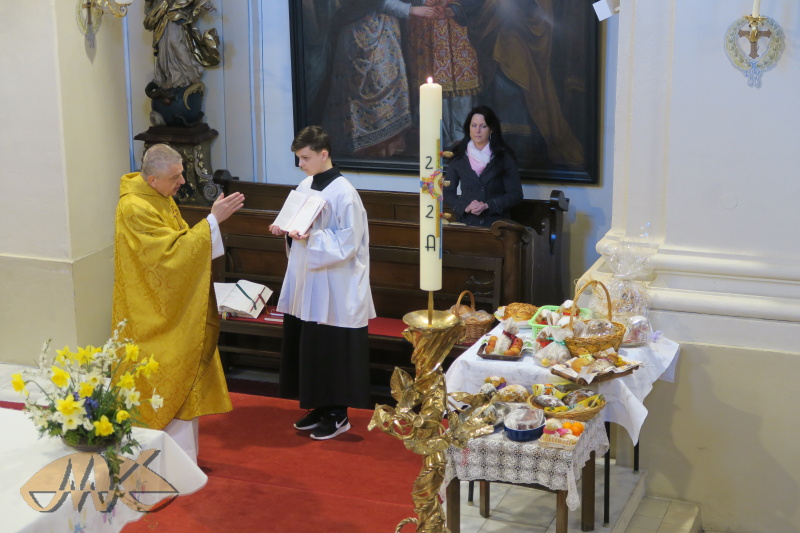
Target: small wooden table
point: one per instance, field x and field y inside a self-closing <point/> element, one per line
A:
<point x="494" y="458"/>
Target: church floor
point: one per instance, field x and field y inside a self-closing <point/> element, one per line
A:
<point x="518" y="509"/>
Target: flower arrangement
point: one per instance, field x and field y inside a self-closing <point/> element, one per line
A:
<point x="89" y="396"/>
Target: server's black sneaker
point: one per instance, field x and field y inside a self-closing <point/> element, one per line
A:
<point x="330" y="427"/>
<point x="310" y="420"/>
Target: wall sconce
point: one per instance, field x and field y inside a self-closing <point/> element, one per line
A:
<point x="90" y="12"/>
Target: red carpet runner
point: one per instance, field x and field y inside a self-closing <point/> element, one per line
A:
<point x="265" y="476"/>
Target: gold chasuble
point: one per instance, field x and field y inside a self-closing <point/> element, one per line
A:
<point x="162" y="286"/>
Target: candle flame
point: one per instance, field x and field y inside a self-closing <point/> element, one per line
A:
<point x="430" y="80"/>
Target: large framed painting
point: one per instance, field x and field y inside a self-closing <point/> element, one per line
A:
<point x="357" y="66"/>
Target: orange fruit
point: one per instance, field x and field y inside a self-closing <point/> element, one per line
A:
<point x="577" y="429"/>
<point x="567" y="425"/>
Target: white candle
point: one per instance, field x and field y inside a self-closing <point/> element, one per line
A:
<point x="756" y="8"/>
<point x="430" y="205"/>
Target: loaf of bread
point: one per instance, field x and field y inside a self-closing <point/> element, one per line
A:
<point x="513" y="393"/>
<point x="520" y="312"/>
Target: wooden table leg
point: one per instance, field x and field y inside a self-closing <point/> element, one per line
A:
<point x="587" y="494"/>
<point x="470" y="492"/>
<point x="561" y="511"/>
<point x="484" y="498"/>
<point x="453" y="514"/>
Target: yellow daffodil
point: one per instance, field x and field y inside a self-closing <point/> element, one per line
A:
<point x="69" y="406"/>
<point x="148" y="366"/>
<point x="18" y="383"/>
<point x="60" y="377"/>
<point x="122" y="416"/>
<point x="126" y="381"/>
<point x="131" y="398"/>
<point x="103" y="427"/>
<point x="63" y="355"/>
<point x="85" y="355"/>
<point x="157" y="402"/>
<point x="131" y="353"/>
<point x="86" y="390"/>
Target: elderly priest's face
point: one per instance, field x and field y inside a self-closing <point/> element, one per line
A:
<point x="168" y="181"/>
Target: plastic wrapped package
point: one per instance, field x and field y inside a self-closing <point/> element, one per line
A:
<point x="555" y="352"/>
<point x="524" y="419"/>
<point x="637" y="330"/>
<point x="597" y="327"/>
<point x="629" y="261"/>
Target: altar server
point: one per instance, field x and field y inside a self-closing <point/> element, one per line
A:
<point x="162" y="286"/>
<point x="326" y="297"/>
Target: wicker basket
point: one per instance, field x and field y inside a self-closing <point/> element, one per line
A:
<point x="475" y="328"/>
<point x="578" y="346"/>
<point x="582" y="416"/>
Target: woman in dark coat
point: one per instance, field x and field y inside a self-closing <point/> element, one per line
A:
<point x="486" y="170"/>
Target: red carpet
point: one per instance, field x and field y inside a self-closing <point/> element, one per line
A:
<point x="265" y="476"/>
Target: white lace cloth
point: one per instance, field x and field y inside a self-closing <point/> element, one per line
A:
<point x="496" y="458"/>
<point x="624" y="396"/>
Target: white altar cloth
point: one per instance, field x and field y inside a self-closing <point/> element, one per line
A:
<point x="624" y="396"/>
<point x="24" y="454"/>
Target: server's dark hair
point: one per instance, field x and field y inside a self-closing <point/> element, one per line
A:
<point x="314" y="137"/>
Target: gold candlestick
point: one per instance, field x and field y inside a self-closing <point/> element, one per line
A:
<point x="421" y="408"/>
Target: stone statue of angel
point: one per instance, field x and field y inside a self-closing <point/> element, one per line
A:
<point x="181" y="51"/>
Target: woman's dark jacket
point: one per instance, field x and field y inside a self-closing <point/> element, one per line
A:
<point x="498" y="185"/>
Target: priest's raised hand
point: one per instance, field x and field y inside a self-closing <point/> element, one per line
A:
<point x="225" y="206"/>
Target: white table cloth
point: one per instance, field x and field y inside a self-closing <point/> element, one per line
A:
<point x="496" y="458"/>
<point x="24" y="454"/>
<point x="624" y="396"/>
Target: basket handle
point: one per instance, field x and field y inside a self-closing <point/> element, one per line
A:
<point x="458" y="302"/>
<point x="576" y="310"/>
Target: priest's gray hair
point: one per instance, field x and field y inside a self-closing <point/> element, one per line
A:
<point x="158" y="158"/>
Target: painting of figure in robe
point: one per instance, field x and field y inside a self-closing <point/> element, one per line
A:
<point x="357" y="66"/>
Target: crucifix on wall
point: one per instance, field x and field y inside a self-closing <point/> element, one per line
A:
<point x="754" y="44"/>
<point x="754" y="34"/>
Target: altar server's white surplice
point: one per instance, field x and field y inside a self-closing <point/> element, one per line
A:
<point x="327" y="280"/>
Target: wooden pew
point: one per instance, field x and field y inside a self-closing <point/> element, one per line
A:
<point x="541" y="254"/>
<point x="492" y="263"/>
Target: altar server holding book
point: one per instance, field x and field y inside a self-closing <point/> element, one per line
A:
<point x="326" y="297"/>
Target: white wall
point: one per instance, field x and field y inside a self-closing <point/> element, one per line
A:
<point x="712" y="163"/>
<point x="249" y="102"/>
<point x="62" y="149"/>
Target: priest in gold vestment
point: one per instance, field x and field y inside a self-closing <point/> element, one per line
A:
<point x="163" y="287"/>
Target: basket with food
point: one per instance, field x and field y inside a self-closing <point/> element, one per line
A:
<point x="602" y="366"/>
<point x="520" y="312"/>
<point x="562" y="434"/>
<point x="477" y="322"/>
<point x="596" y="334"/>
<point x="556" y="316"/>
<point x="566" y="403"/>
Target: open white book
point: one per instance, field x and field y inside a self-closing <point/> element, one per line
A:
<point x="298" y="212"/>
<point x="241" y="299"/>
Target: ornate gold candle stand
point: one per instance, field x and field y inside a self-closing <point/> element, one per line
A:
<point x="422" y="407"/>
